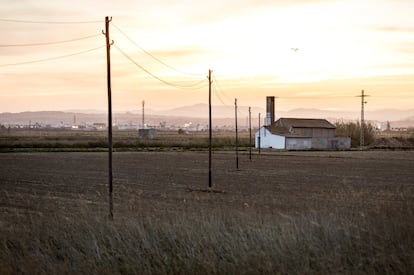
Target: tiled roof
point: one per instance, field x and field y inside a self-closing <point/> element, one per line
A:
<point x="277" y="130"/>
<point x="303" y="123"/>
<point x="282" y="131"/>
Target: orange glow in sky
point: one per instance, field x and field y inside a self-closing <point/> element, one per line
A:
<point x="310" y="54"/>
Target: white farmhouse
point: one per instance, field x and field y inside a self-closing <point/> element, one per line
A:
<point x="298" y="133"/>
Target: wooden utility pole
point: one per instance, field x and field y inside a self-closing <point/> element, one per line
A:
<point x="143" y="114"/>
<point x="362" y="126"/>
<point x="108" y="69"/>
<point x="237" y="134"/>
<point x="250" y="133"/>
<point x="259" y="137"/>
<point x="210" y="133"/>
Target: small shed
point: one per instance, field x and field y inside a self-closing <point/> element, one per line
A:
<point x="148" y="133"/>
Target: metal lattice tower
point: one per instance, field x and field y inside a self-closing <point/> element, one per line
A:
<point x="362" y="126"/>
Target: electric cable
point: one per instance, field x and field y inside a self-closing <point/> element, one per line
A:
<point x="220" y="89"/>
<point x="315" y="97"/>
<point x="217" y="95"/>
<point x="51" y="58"/>
<point x="191" y="86"/>
<point x="49" y="43"/>
<point x="240" y="112"/>
<point x="47" y="22"/>
<point x="151" y="55"/>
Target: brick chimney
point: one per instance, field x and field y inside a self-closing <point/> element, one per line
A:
<point x="270" y="110"/>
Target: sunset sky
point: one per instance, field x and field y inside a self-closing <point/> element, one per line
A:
<point x="308" y="53"/>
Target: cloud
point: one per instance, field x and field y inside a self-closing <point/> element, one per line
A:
<point x="393" y="29"/>
<point x="178" y="53"/>
<point x="201" y="12"/>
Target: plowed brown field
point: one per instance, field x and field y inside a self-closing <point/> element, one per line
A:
<point x="162" y="181"/>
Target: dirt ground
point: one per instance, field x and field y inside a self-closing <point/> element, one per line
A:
<point x="161" y="182"/>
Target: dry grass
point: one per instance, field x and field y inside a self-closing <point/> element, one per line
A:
<point x="216" y="242"/>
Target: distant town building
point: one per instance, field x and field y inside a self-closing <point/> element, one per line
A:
<point x="148" y="133"/>
<point x="99" y="126"/>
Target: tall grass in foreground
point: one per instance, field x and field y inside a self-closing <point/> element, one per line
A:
<point x="336" y="242"/>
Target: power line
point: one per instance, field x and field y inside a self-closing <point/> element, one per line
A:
<point x="220" y="89"/>
<point x="47" y="22"/>
<point x="315" y="97"/>
<point x="191" y="86"/>
<point x="333" y="96"/>
<point x="151" y="55"/>
<point x="49" y="43"/>
<point x="393" y="96"/>
<point x="218" y="96"/>
<point x="243" y="113"/>
<point x="51" y="58"/>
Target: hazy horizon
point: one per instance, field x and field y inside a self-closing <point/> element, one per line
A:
<point x="309" y="54"/>
<point x="166" y="109"/>
<point x="200" y="111"/>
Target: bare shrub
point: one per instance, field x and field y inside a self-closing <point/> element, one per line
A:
<point x="353" y="130"/>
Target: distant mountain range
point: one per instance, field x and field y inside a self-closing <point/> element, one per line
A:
<point x="201" y="111"/>
<point x="197" y="114"/>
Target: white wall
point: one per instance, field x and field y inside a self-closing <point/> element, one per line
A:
<point x="268" y="140"/>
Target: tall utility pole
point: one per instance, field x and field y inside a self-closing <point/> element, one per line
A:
<point x="237" y="134"/>
<point x="210" y="133"/>
<point x="250" y="133"/>
<point x="143" y="114"/>
<point x="108" y="69"/>
<point x="259" y="137"/>
<point x="362" y="126"/>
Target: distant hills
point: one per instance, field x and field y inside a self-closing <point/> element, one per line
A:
<point x="201" y="111"/>
<point x="198" y="114"/>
